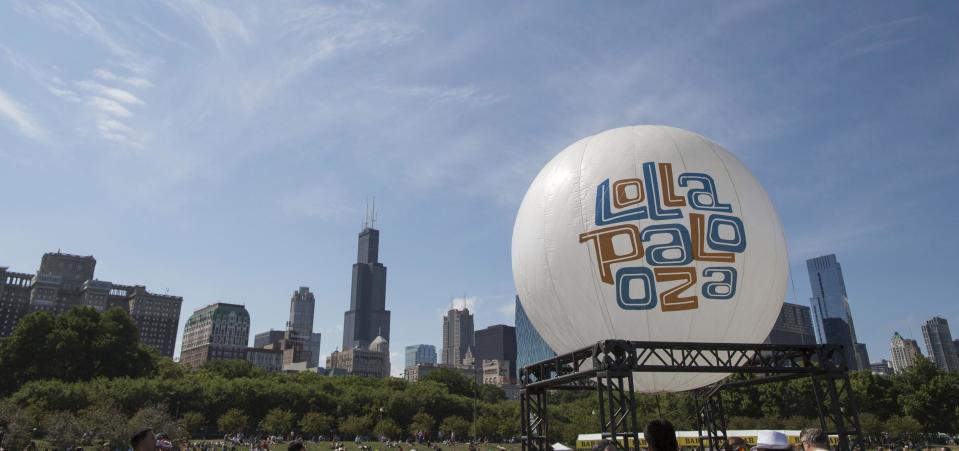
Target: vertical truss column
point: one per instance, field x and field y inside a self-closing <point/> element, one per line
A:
<point x="533" y="420"/>
<point x="851" y="411"/>
<point x="617" y="408"/>
<point x="839" y="413"/>
<point x="712" y="421"/>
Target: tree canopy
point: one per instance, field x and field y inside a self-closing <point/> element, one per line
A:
<point x="87" y="371"/>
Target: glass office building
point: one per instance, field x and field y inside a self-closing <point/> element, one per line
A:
<point x="530" y="347"/>
<point x="420" y="355"/>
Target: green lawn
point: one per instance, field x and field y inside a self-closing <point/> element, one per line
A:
<point x="377" y="446"/>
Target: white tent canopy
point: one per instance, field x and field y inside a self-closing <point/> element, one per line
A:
<point x="561" y="447"/>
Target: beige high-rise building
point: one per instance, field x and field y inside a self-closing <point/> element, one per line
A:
<point x="216" y="332"/>
<point x="457" y="336"/>
<point x="904" y="352"/>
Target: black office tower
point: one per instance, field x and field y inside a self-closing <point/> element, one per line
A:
<point x="496" y="343"/>
<point x="367" y="316"/>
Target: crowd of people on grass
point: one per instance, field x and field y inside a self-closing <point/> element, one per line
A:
<point x="660" y="435"/>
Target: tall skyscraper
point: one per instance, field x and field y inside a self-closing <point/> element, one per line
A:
<point x="300" y="325"/>
<point x="904" y="352"/>
<point x="367" y="317"/>
<point x="530" y="346"/>
<point x="457" y="336"/>
<point x="496" y="343"/>
<point x="301" y="313"/>
<point x="832" y="317"/>
<point x="420" y="355"/>
<point x="298" y="342"/>
<point x="793" y="327"/>
<point x="939" y="344"/>
<point x="216" y="332"/>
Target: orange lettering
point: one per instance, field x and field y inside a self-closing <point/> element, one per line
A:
<point x="621" y="198"/>
<point x="697" y="228"/>
<point x="670" y="198"/>
<point x="672" y="300"/>
<point x="602" y="240"/>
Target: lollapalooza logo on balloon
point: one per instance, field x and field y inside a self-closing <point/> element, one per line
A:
<point x="710" y="233"/>
<point x="640" y="233"/>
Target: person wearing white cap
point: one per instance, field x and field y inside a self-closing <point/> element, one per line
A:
<point x="770" y="440"/>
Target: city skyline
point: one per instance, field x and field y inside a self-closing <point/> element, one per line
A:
<point x="238" y="144"/>
<point x="301" y="315"/>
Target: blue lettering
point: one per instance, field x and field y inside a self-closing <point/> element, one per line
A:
<point x="714" y="235"/>
<point x="604" y="211"/>
<point x="653" y="194"/>
<point x="720" y="289"/>
<point x="676" y="252"/>
<point x="624" y="277"/>
<point x="704" y="198"/>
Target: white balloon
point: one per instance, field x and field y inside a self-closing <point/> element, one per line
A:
<point x="621" y="237"/>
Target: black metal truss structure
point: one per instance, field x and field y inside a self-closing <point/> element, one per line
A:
<point x="608" y="367"/>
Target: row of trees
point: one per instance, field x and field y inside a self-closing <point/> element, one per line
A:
<point x="82" y="371"/>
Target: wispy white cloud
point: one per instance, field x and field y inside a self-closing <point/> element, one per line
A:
<point x="458" y="96"/>
<point x="116" y="131"/>
<point x="109" y="106"/>
<point x="64" y="94"/>
<point x="875" y="37"/>
<point x="323" y="202"/>
<point x="222" y="25"/>
<point x="115" y="94"/>
<point x="134" y="81"/>
<point x="70" y="16"/>
<point x="308" y="37"/>
<point x="20" y="117"/>
<point x="508" y="310"/>
<point x="466" y="302"/>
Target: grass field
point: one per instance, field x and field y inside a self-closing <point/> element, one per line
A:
<point x="377" y="446"/>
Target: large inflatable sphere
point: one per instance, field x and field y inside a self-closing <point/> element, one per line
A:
<point x="649" y="233"/>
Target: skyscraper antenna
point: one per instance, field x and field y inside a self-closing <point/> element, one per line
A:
<point x="366" y="217"/>
<point x="373" y="214"/>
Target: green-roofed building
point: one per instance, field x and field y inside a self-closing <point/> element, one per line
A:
<point x="216" y="332"/>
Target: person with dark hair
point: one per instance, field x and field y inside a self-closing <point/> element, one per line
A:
<point x="738" y="444"/>
<point x="296" y="445"/>
<point x="814" y="439"/>
<point x="661" y="436"/>
<point x="143" y="440"/>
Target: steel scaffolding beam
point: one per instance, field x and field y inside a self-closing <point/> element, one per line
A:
<point x="609" y="366"/>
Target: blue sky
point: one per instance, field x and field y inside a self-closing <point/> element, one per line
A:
<point x="226" y="151"/>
